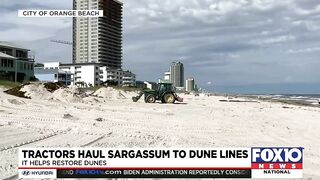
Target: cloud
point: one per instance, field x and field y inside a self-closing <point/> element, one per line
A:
<point x="14" y="28"/>
<point x="13" y="5"/>
<point x="209" y="33"/>
<point x="306" y="50"/>
<point x="274" y="40"/>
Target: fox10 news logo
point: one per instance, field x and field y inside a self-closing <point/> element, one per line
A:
<point x="277" y="162"/>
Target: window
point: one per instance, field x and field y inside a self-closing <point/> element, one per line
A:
<point x="4" y="63"/>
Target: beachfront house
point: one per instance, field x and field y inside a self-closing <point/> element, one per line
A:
<point x="15" y="63"/>
<point x="84" y="74"/>
<point x="54" y="75"/>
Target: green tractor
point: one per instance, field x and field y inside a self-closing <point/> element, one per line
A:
<point x="165" y="94"/>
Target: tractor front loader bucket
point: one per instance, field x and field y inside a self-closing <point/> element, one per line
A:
<point x="136" y="98"/>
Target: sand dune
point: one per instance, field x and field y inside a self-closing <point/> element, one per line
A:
<point x="110" y="119"/>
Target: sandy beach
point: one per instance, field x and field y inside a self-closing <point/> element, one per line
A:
<point x="111" y="119"/>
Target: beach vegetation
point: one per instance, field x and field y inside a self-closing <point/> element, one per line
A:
<point x="8" y="84"/>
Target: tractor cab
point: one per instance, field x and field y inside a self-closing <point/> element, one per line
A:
<point x="163" y="87"/>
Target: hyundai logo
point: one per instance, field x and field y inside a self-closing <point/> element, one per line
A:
<point x="25" y="173"/>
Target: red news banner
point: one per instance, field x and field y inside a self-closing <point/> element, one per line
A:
<point x="142" y="163"/>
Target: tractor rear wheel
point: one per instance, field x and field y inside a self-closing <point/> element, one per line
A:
<point x="169" y="98"/>
<point x="150" y="99"/>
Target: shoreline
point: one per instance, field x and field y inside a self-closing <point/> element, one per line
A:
<point x="284" y="101"/>
<point x="269" y="99"/>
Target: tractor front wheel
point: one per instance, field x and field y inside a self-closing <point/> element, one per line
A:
<point x="150" y="99"/>
<point x="169" y="98"/>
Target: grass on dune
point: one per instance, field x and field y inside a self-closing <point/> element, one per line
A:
<point x="8" y="84"/>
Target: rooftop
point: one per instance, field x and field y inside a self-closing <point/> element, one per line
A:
<point x="12" y="45"/>
<point x="81" y="64"/>
<point x="119" y="2"/>
<point x="6" y="56"/>
<point x="40" y="70"/>
<point x="177" y="63"/>
<point x="90" y="64"/>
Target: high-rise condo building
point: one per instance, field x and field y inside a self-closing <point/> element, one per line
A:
<point x="177" y="74"/>
<point x="190" y="86"/>
<point x="98" y="40"/>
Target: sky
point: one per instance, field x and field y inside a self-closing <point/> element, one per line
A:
<point x="244" y="46"/>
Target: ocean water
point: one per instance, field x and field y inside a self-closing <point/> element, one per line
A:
<point x="313" y="99"/>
